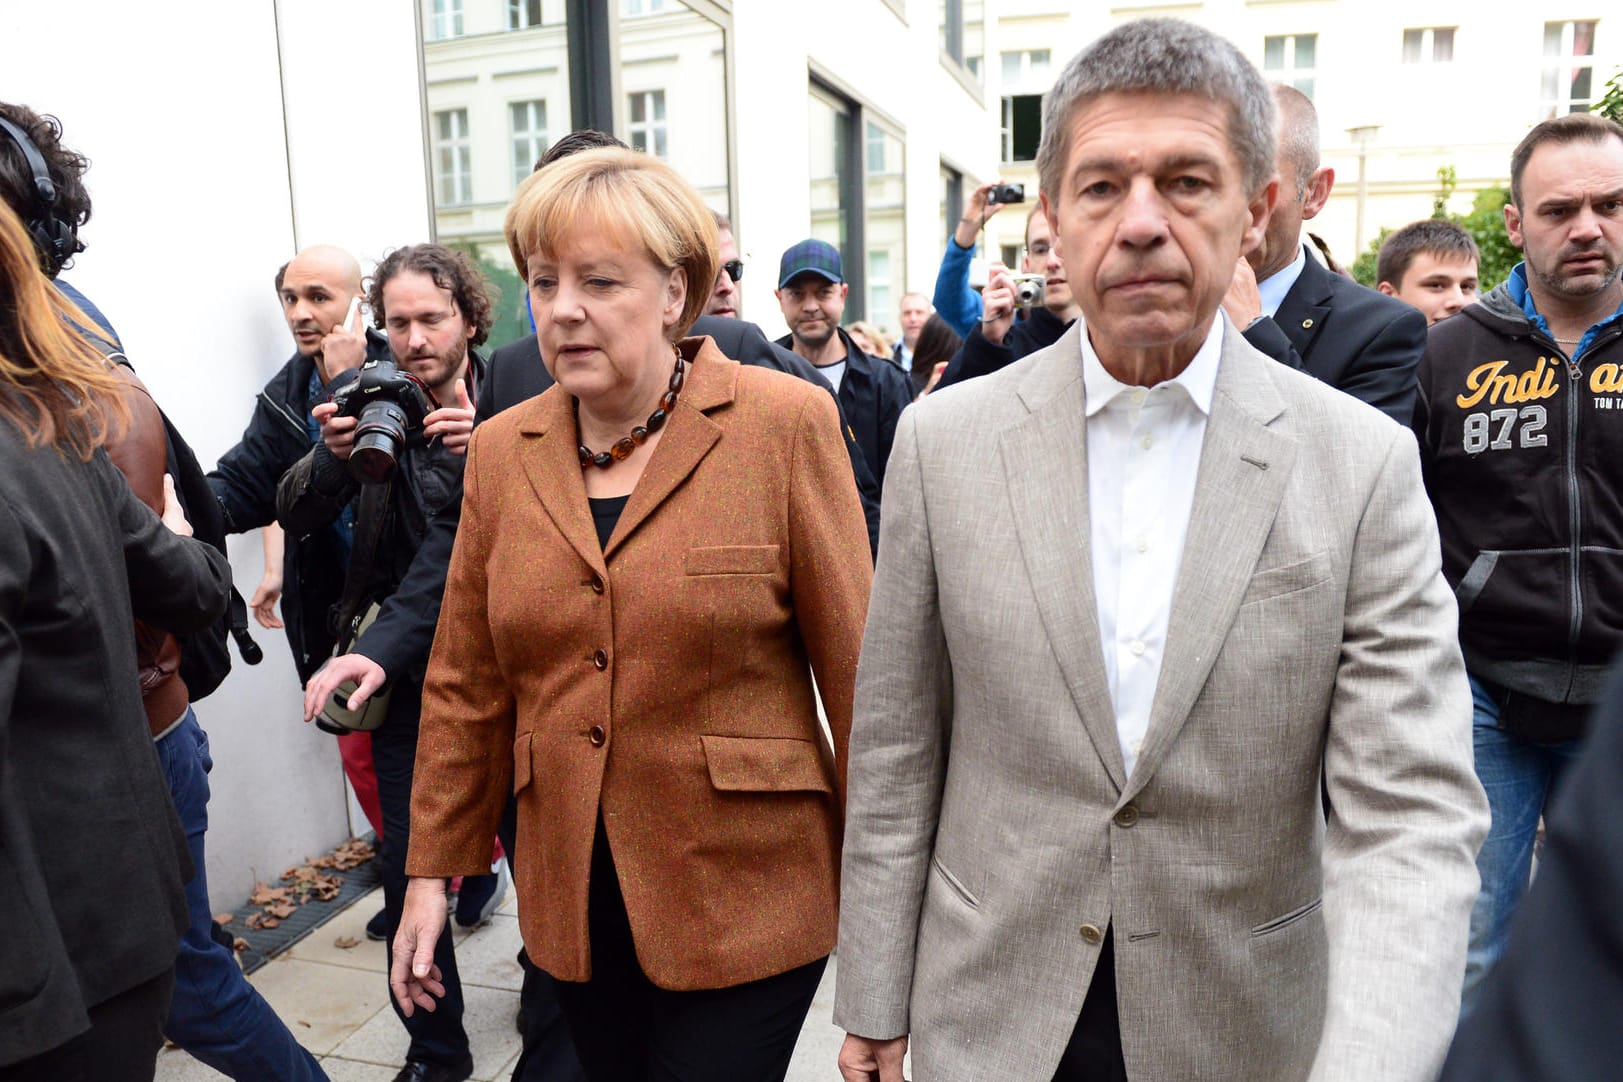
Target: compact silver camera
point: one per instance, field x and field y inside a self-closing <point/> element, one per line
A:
<point x="1028" y="289"/>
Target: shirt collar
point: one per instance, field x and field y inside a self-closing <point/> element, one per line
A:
<point x="1516" y="286"/>
<point x="1273" y="288"/>
<point x="1198" y="379"/>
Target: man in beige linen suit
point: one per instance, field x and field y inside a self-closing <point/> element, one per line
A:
<point x="1136" y="595"/>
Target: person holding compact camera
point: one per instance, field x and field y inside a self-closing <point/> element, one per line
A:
<point x="1040" y="293"/>
<point x="956" y="300"/>
<point x="393" y="451"/>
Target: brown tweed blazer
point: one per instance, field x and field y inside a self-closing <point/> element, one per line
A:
<point x="663" y="680"/>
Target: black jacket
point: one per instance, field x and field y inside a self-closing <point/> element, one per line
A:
<point x="245" y="481"/>
<point x="978" y="357"/>
<point x="1520" y="449"/>
<point x="92" y="859"/>
<point x="428" y="480"/>
<point x="873" y="394"/>
<point x="1353" y="338"/>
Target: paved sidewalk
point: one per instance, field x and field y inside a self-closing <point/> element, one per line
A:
<point x="335" y="1001"/>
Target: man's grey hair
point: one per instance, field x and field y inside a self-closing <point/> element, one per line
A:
<point x="1298" y="136"/>
<point x="1164" y="56"/>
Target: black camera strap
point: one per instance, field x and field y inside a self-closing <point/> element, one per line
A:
<point x="371" y="520"/>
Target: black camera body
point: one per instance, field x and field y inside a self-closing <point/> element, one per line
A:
<point x="1007" y="193"/>
<point x="388" y="403"/>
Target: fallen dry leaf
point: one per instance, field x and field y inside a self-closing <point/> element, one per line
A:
<point x="222" y="919"/>
<point x="346" y="942"/>
<point x="239" y="944"/>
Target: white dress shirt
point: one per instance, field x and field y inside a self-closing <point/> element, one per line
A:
<point x="1143" y="453"/>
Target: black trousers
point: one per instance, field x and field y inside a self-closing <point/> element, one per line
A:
<point x="627" y="1029"/>
<point x="437" y="1036"/>
<point x="121" y="1045"/>
<point x="549" y="1050"/>
<point x="1094" y="1052"/>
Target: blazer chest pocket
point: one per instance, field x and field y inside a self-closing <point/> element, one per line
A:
<point x="732" y="560"/>
<point x="764" y="764"/>
<point x="1288" y="579"/>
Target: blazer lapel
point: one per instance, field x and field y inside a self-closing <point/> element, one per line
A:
<point x="1306" y="307"/>
<point x="689" y="435"/>
<point x="1045" y="461"/>
<point x="552" y="465"/>
<point x="1244" y="468"/>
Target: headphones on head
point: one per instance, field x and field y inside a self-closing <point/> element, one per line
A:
<point x="55" y="238"/>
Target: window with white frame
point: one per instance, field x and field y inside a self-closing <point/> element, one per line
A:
<point x="1291" y="59"/>
<point x="523" y="14"/>
<point x="641" y="7"/>
<point x="1021" y="69"/>
<point x="1569" y="68"/>
<point x="647" y="127"/>
<point x="447" y="19"/>
<point x="1022" y="126"/>
<point x="1428" y="45"/>
<point x="453" y="155"/>
<point x="528" y="122"/>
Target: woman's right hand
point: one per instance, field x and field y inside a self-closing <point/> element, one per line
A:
<point x="414" y="978"/>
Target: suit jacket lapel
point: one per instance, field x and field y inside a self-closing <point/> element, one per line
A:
<point x="688" y="437"/>
<point x="552" y="465"/>
<point x="1306" y="308"/>
<point x="1244" y="468"/>
<point x="1045" y="461"/>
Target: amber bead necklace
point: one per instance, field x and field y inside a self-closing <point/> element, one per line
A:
<point x="626" y="444"/>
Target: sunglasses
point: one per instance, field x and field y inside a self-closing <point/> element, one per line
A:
<point x="734" y="269"/>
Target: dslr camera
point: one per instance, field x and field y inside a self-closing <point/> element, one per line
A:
<point x="1028" y="290"/>
<point x="389" y="403"/>
<point x="1007" y="193"/>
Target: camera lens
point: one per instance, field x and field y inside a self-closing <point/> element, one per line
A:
<point x="379" y="436"/>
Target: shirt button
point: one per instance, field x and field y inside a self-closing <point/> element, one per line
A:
<point x="1127" y="817"/>
<point x="1147" y="442"/>
<point x="1137" y="648"/>
<point x="597" y="583"/>
<point x="596" y="735"/>
<point x="601" y="660"/>
<point x="1142" y="544"/>
<point x="1138" y="395"/>
<point x="1091" y="935"/>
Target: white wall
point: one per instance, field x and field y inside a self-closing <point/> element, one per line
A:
<point x="198" y="198"/>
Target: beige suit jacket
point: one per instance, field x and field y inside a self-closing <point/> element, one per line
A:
<point x="992" y="830"/>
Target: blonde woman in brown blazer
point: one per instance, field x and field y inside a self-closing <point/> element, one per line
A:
<point x="655" y="557"/>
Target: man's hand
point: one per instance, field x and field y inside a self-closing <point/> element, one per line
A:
<point x="1242" y="302"/>
<point x="976" y="214"/>
<point x="861" y="1059"/>
<point x="414" y="978"/>
<point x="174" y="516"/>
<point x="338" y="433"/>
<point x="367" y="674"/>
<point x="452" y="424"/>
<point x="997" y="301"/>
<point x="344" y="347"/>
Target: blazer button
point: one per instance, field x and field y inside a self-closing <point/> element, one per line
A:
<point x="597" y="583"/>
<point x="596" y="735"/>
<point x="601" y="660"/>
<point x="1091" y="935"/>
<point x="1127" y="816"/>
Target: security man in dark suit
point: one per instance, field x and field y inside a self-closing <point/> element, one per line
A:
<point x="1302" y="314"/>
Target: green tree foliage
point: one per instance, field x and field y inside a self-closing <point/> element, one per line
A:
<point x="1485" y="222"/>
<point x="1611" y="103"/>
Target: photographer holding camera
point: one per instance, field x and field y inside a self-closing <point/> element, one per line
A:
<point x="391" y="449"/>
<point x="1041" y="291"/>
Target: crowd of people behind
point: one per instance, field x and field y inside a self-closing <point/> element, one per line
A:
<point x="1155" y="663"/>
